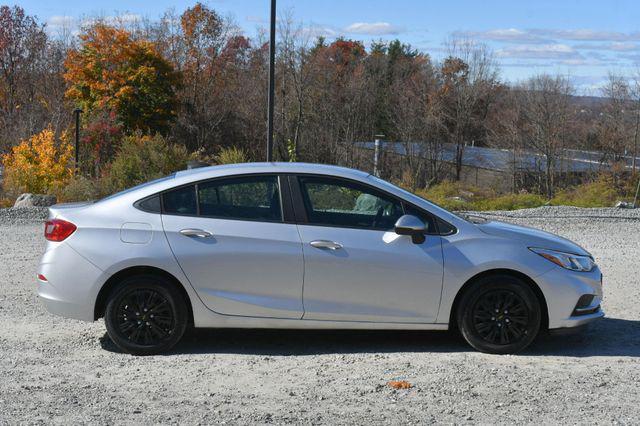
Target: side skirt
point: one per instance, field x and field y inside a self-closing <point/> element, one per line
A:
<point x="227" y="321"/>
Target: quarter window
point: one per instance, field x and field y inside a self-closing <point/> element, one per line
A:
<point x="247" y="198"/>
<point x="337" y="202"/>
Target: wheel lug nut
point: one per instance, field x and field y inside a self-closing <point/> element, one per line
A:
<point x="506" y="312"/>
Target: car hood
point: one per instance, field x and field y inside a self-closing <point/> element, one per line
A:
<point x="531" y="237"/>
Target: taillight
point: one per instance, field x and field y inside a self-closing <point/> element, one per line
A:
<point x="58" y="230"/>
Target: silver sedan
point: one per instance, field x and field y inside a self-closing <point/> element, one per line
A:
<point x="305" y="246"/>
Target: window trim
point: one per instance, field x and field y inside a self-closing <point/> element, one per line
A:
<point x="291" y="202"/>
<point x="301" y="211"/>
<point x="286" y="208"/>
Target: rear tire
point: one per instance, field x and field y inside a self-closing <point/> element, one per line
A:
<point x="146" y="315"/>
<point x="499" y="314"/>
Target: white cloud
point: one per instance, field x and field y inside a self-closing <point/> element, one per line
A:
<point x="58" y="23"/>
<point x="547" y="36"/>
<point x="539" y="51"/>
<point x="586" y="35"/>
<point x="511" y="35"/>
<point x="116" y="20"/>
<point x="256" y="19"/>
<point x="373" y="28"/>
<point x="615" y="46"/>
<point x="315" y="31"/>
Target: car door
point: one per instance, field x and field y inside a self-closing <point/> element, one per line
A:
<point x="356" y="267"/>
<point x="231" y="240"/>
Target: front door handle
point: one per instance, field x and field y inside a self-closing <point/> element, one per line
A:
<point x="326" y="244"/>
<point x="200" y="233"/>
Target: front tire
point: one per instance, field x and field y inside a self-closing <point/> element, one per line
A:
<point x="499" y="314"/>
<point x="146" y="315"/>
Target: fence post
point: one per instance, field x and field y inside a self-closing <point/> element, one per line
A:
<point x="376" y="155"/>
<point x="635" y="199"/>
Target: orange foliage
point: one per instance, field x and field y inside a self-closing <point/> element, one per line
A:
<point x="112" y="71"/>
<point x="38" y="164"/>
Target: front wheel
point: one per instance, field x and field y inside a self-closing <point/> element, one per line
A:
<point x="499" y="314"/>
<point x="146" y="315"/>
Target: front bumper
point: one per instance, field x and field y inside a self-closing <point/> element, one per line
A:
<point x="562" y="290"/>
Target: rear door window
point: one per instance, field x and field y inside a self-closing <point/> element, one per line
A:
<point x="242" y="198"/>
<point x="181" y="201"/>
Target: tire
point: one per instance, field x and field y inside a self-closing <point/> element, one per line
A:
<point x="149" y="332"/>
<point x="499" y="314"/>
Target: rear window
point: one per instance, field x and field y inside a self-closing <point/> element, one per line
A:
<point x="135" y="188"/>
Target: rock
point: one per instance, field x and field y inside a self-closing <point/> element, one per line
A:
<point x="34" y="200"/>
<point x="623" y="205"/>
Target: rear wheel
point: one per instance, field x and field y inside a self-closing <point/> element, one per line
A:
<point x="499" y="314"/>
<point x="146" y="315"/>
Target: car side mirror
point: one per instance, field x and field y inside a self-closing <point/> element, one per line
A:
<point x="413" y="226"/>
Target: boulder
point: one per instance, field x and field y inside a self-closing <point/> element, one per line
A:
<point x="34" y="200"/>
<point x="624" y="205"/>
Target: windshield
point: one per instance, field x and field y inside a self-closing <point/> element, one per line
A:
<point x="462" y="216"/>
<point x="134" y="188"/>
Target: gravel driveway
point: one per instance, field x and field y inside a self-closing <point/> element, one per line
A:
<point x="65" y="371"/>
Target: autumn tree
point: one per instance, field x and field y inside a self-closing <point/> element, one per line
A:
<point x="113" y="71"/>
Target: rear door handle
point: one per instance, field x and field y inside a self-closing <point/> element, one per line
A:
<point x="326" y="244"/>
<point x="192" y="232"/>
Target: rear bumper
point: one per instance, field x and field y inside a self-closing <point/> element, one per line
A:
<point x="70" y="288"/>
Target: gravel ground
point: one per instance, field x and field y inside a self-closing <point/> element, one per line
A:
<point x="65" y="371"/>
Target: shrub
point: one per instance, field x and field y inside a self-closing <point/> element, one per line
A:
<point x="100" y="140"/>
<point x="231" y="155"/>
<point x="599" y="193"/>
<point x="79" y="188"/>
<point x="143" y="158"/>
<point x="38" y="165"/>
<point x="458" y="196"/>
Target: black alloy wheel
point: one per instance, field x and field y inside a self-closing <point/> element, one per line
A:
<point x="499" y="314"/>
<point x="146" y="315"/>
<point x="501" y="317"/>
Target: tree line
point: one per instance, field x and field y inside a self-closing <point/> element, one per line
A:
<point x="197" y="81"/>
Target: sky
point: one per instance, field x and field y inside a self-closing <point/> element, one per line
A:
<point x="585" y="40"/>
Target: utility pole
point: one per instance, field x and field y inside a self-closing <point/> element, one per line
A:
<point x="272" y="56"/>
<point x="77" y="113"/>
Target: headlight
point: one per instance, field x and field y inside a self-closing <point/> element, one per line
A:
<point x="569" y="261"/>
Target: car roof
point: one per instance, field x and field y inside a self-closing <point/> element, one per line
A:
<point x="185" y="177"/>
<point x="274" y="167"/>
